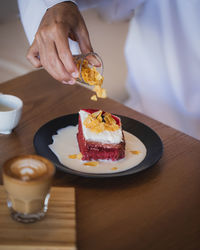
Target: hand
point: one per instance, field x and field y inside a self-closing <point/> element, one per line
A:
<point x="50" y="47"/>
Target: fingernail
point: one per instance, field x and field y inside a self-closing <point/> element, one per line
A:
<point x="72" y="81"/>
<point x="75" y="74"/>
<point x="94" y="61"/>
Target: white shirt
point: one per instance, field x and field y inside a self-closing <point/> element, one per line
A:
<point x="163" y="58"/>
<point x="162" y="52"/>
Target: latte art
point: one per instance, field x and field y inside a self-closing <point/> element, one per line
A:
<point x="28" y="169"/>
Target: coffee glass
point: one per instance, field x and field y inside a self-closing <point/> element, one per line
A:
<point x="10" y="112"/>
<point x="27" y="180"/>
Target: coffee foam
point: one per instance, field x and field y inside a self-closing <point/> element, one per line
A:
<point x="28" y="169"/>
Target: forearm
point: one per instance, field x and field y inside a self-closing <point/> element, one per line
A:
<point x="32" y="12"/>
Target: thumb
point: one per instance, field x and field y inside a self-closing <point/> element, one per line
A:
<point x="86" y="47"/>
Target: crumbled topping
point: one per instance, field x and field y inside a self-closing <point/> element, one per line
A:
<point x="135" y="152"/>
<point x="93" y="78"/>
<point x="76" y="156"/>
<point x="93" y="98"/>
<point x="91" y="163"/>
<point x="99" y="122"/>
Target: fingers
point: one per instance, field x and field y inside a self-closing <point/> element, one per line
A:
<point x="64" y="53"/>
<point x="51" y="62"/>
<point x="93" y="60"/>
<point x="33" y="55"/>
<point x="84" y="40"/>
<point x="50" y="48"/>
<point x="85" y="45"/>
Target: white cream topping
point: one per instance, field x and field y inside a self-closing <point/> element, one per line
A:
<point x="111" y="137"/>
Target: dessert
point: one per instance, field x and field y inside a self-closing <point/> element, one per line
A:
<point x="100" y="136"/>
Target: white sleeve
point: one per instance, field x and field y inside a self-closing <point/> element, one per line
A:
<point x="118" y="10"/>
<point x="50" y="3"/>
<point x="31" y="13"/>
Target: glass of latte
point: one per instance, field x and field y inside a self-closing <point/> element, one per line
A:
<point x="27" y="180"/>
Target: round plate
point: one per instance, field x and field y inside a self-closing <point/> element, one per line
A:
<point x="151" y="140"/>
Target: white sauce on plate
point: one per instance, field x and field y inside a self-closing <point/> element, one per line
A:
<point x="65" y="144"/>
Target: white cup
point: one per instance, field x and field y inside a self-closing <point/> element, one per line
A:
<point x="10" y="112"/>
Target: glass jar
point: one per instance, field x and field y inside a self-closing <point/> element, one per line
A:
<point x="92" y="59"/>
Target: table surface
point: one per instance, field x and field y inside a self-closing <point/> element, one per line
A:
<point x="155" y="209"/>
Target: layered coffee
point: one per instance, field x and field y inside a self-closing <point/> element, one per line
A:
<point x="27" y="180"/>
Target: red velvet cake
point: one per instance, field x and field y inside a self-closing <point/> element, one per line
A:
<point x="100" y="136"/>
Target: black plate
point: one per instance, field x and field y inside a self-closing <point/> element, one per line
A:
<point x="151" y="140"/>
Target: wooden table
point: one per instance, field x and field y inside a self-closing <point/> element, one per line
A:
<point x="155" y="209"/>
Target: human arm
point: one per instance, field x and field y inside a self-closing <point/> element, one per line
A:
<point x="61" y="69"/>
<point x="50" y="47"/>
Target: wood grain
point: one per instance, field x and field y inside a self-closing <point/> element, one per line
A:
<point x="55" y="232"/>
<point x="155" y="209"/>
